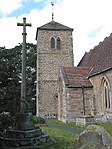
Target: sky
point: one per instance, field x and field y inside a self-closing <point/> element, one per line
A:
<point x="90" y="19"/>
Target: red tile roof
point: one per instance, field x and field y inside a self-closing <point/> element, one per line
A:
<point x="76" y="76"/>
<point x="99" y="58"/>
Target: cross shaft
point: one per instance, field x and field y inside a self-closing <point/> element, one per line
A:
<point x="23" y="83"/>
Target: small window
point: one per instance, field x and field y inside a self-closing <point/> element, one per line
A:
<point x="106" y="98"/>
<point x="58" y="43"/>
<point x="52" y="43"/>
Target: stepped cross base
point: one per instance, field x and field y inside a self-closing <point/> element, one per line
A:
<point x="24" y="135"/>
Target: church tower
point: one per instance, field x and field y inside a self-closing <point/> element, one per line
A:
<point x="54" y="49"/>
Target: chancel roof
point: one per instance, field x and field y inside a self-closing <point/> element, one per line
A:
<point x="99" y="58"/>
<point x="76" y="76"/>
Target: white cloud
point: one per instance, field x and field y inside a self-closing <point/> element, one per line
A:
<point x="38" y="1"/>
<point x="8" y="32"/>
<point x="86" y="17"/>
<point x="8" y="6"/>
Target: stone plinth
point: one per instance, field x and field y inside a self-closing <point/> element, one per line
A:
<point x="24" y="135"/>
<point x="84" y="120"/>
<point x="18" y="138"/>
<point x="24" y="121"/>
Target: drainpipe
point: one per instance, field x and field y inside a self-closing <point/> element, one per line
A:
<point x="83" y="99"/>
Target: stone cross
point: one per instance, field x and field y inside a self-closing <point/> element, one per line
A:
<point x="23" y="106"/>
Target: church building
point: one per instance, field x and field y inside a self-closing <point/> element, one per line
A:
<point x="65" y="91"/>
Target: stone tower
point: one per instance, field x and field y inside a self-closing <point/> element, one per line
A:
<point x="54" y="49"/>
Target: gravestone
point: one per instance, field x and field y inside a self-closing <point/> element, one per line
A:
<point x="94" y="137"/>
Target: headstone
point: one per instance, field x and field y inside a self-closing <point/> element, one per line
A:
<point x="90" y="140"/>
<point x="94" y="137"/>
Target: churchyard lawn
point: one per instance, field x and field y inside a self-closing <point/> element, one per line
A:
<point x="108" y="127"/>
<point x="65" y="139"/>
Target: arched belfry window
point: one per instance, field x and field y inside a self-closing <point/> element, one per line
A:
<point x="52" y="43"/>
<point x="105" y="91"/>
<point x="58" y="43"/>
<point x="55" y="43"/>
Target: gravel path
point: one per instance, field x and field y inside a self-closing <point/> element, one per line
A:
<point x="77" y="131"/>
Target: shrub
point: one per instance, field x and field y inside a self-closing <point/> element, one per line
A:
<point x="6" y="120"/>
<point x="38" y="120"/>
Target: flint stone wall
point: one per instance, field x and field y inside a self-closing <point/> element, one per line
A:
<point x="48" y="63"/>
<point x="105" y="118"/>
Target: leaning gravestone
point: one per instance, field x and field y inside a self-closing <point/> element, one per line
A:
<point x="94" y="137"/>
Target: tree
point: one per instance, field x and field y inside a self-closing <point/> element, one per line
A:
<point x="10" y="77"/>
<point x="31" y="76"/>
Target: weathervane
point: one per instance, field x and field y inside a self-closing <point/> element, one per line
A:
<point x="52" y="11"/>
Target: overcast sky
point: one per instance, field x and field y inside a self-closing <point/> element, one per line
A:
<point x="90" y="19"/>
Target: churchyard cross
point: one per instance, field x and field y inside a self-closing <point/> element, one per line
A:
<point x="23" y="83"/>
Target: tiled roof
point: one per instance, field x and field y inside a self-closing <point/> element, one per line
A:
<point x="84" y="59"/>
<point x="99" y="58"/>
<point x="76" y="76"/>
<point x="53" y="26"/>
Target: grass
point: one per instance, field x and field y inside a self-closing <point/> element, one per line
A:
<point x="107" y="127"/>
<point x="71" y="124"/>
<point x="64" y="139"/>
